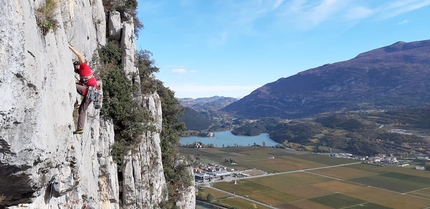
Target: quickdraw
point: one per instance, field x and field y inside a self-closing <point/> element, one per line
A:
<point x="96" y="96"/>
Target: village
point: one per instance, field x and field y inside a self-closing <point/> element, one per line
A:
<point x="212" y="172"/>
<point x="381" y="160"/>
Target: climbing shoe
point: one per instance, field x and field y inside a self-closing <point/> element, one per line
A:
<point x="78" y="131"/>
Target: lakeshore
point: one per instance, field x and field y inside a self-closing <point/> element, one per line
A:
<point x="227" y="139"/>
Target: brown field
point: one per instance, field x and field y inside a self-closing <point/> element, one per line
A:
<point x="240" y="203"/>
<point x="253" y="172"/>
<point x="287" y="206"/>
<point x="217" y="194"/>
<point x="296" y="189"/>
<point x="380" y="169"/>
<point x="370" y="168"/>
<point x="302" y="163"/>
<point x="309" y="148"/>
<point x="273" y="198"/>
<point x="307" y="191"/>
<point x="336" y="186"/>
<point x="241" y="155"/>
<point x="370" y="194"/>
<point x="243" y="187"/>
<point x="278" y="164"/>
<point x="343" y="172"/>
<point x="309" y="204"/>
<point x="404" y="201"/>
<point x="285" y="182"/>
<point x="425" y="193"/>
<point x="268" y="165"/>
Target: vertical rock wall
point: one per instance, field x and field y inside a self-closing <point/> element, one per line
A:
<point x="42" y="164"/>
<point x="143" y="185"/>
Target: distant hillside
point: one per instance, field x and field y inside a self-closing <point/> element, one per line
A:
<point x="393" y="76"/>
<point x="400" y="132"/>
<point x="194" y="120"/>
<point x="210" y="103"/>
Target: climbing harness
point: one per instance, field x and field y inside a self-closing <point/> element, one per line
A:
<point x="85" y="79"/>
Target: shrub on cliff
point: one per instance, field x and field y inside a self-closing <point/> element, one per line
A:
<point x="175" y="171"/>
<point x="45" y="16"/>
<point x="128" y="116"/>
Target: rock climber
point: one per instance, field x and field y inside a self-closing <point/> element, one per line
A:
<point x="86" y="80"/>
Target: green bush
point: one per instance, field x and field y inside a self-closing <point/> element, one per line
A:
<point x="210" y="197"/>
<point x="129" y="117"/>
<point x="119" y="150"/>
<point x="110" y="54"/>
<point x="45" y="16"/>
<point x="146" y="69"/>
<point x="177" y="175"/>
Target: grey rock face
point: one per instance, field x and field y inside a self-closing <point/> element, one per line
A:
<point x="42" y="164"/>
<point x="128" y="48"/>
<point x="144" y="187"/>
<point x="34" y="131"/>
<point x="115" y="25"/>
<point x="188" y="195"/>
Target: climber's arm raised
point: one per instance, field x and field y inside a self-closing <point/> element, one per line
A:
<point x="79" y="55"/>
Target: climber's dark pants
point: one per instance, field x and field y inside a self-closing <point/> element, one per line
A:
<point x="82" y="90"/>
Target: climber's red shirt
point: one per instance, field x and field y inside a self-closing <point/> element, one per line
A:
<point x="86" y="75"/>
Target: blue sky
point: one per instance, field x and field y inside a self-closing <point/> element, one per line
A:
<point x="229" y="48"/>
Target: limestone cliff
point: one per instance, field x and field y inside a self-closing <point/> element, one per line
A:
<point x="42" y="164"/>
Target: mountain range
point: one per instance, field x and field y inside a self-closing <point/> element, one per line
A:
<point x="388" y="77"/>
<point x="207" y="103"/>
<point x="203" y="113"/>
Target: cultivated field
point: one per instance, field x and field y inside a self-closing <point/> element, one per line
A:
<point x="305" y="180"/>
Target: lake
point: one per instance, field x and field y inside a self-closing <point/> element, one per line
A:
<point x="226" y="138"/>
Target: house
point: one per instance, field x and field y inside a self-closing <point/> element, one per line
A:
<point x="198" y="145"/>
<point x="420" y="167"/>
<point x="201" y="176"/>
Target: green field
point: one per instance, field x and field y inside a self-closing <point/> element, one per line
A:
<point x="307" y="180"/>
<point x="337" y="200"/>
<point x="397" y="182"/>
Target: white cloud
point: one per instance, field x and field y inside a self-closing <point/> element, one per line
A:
<point x="324" y="11"/>
<point x="359" y="13"/>
<point x="398" y="7"/>
<point x="149" y="6"/>
<point x="220" y="40"/>
<point x="296" y="5"/>
<point x="307" y="14"/>
<point x="277" y="4"/>
<point x="239" y="17"/>
<point x="182" y="71"/>
<point x="403" y="22"/>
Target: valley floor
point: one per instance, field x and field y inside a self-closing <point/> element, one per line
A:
<point x="292" y="179"/>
